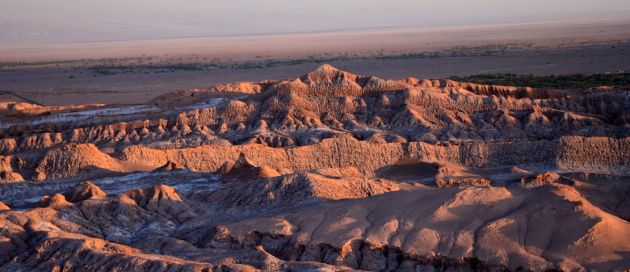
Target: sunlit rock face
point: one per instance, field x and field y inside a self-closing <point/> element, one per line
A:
<point x="329" y="171"/>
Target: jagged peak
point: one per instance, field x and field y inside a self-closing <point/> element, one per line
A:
<point x="155" y="194"/>
<point x="54" y="201"/>
<point x="243" y="162"/>
<point x="161" y="191"/>
<point x="169" y="166"/>
<point x="4" y="207"/>
<point x="83" y="191"/>
<point x="326" y="68"/>
<point x="536" y="108"/>
<point x="326" y="73"/>
<point x="244" y="169"/>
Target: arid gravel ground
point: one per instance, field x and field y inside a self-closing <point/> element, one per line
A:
<point x="85" y="73"/>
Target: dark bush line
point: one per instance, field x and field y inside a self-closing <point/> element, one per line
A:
<point x="573" y="81"/>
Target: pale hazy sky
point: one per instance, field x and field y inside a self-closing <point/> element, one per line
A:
<point x="35" y="21"/>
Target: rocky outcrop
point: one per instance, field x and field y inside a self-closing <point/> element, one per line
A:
<point x="10" y="177"/>
<point x="84" y="190"/>
<point x="594" y="154"/>
<point x="574" y="153"/>
<point x="170" y="166"/>
<point x="361" y="255"/>
<point x="344" y="152"/>
<point x="299" y="188"/>
<point x="452" y="228"/>
<point x="55" y="201"/>
<point x="243" y="169"/>
<point x="52" y="251"/>
<point x="480" y="221"/>
<point x="326" y="103"/>
<point x="77" y="161"/>
<point x="329" y="171"/>
<point x="161" y="199"/>
<point x="7" y="173"/>
<point x="462" y="182"/>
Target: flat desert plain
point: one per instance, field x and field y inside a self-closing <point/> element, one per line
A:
<point x="130" y="72"/>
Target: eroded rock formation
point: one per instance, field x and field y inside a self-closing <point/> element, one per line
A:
<point x="329" y="171"/>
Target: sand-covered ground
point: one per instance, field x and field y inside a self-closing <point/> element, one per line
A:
<point x="130" y="72"/>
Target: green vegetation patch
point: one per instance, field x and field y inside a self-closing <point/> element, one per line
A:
<point x="574" y="81"/>
<point x="135" y="69"/>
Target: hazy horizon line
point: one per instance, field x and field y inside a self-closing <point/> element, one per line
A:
<point x="619" y="17"/>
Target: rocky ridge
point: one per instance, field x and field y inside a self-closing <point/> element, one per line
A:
<point x="329" y="171"/>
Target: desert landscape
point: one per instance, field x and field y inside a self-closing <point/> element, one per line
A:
<point x="136" y="71"/>
<point x="329" y="171"/>
<point x="498" y="146"/>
